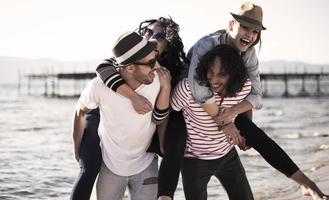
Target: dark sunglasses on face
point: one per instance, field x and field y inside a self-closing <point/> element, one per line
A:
<point x="149" y="33"/>
<point x="150" y="63"/>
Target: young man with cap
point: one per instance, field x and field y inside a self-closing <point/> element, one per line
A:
<point x="243" y="33"/>
<point x="124" y="134"/>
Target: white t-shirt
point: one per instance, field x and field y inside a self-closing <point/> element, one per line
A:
<point x="125" y="135"/>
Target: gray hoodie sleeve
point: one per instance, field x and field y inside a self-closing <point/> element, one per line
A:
<point x="251" y="62"/>
<point x="201" y="94"/>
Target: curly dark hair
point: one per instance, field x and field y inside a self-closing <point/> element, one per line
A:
<point x="232" y="64"/>
<point x="174" y="57"/>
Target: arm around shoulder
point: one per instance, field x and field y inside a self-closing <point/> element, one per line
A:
<point x="111" y="77"/>
<point x="201" y="94"/>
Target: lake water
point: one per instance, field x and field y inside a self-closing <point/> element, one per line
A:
<point x="37" y="162"/>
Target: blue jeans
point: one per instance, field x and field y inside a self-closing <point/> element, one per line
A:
<point x="142" y="186"/>
<point x="196" y="174"/>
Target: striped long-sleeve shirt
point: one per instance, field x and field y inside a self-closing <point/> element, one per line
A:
<point x="204" y="138"/>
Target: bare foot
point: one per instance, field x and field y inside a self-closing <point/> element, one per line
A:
<point x="316" y="195"/>
<point x="308" y="187"/>
<point x="164" y="198"/>
<point x="305" y="192"/>
<point x="323" y="197"/>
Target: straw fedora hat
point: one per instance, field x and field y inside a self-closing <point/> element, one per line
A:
<point x="250" y="15"/>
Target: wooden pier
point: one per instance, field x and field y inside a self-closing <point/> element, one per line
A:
<point x="52" y="83"/>
<point x="287" y="77"/>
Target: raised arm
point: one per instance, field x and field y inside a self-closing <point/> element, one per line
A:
<point x="112" y="79"/>
<point x="161" y="109"/>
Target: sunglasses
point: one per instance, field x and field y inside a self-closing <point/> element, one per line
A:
<point x="150" y="63"/>
<point x="149" y="33"/>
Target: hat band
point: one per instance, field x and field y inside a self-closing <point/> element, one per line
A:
<point x="251" y="21"/>
<point x="132" y="51"/>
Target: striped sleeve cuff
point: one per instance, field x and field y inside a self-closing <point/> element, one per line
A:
<point x="109" y="74"/>
<point x="114" y="81"/>
<point x="159" y="115"/>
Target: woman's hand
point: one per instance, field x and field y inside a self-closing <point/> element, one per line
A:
<point x="225" y="116"/>
<point x="164" y="77"/>
<point x="233" y="135"/>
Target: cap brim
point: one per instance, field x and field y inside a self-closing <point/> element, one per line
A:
<point x="146" y="50"/>
<point x="248" y="22"/>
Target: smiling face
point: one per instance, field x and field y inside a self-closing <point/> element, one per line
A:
<point x="240" y="36"/>
<point x="217" y="77"/>
<point x="143" y="71"/>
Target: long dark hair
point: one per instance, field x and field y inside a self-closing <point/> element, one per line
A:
<point x="174" y="57"/>
<point x="232" y="64"/>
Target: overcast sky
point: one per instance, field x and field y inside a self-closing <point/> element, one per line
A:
<point x="73" y="30"/>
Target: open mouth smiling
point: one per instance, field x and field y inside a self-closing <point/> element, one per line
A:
<point x="244" y="42"/>
<point x="215" y="87"/>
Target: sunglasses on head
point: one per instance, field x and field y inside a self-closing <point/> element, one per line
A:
<point x="149" y="33"/>
<point x="150" y="63"/>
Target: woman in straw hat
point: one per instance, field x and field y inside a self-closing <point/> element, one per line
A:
<point x="243" y="33"/>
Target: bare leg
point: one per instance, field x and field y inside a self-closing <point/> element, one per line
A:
<point x="309" y="188"/>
